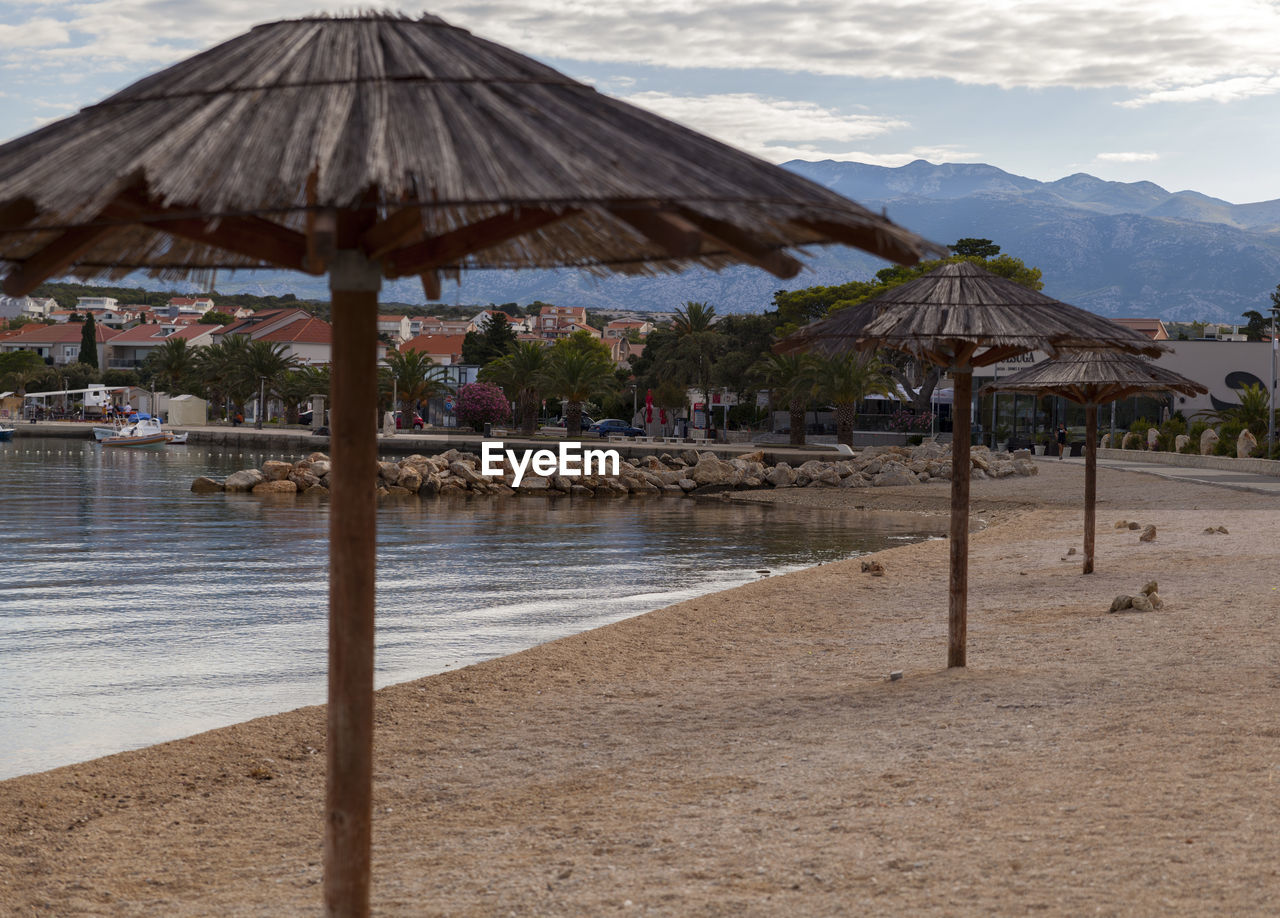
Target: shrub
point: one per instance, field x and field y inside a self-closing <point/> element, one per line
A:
<point x="1170" y="430"/>
<point x="1196" y="429"/>
<point x="480" y="403"/>
<point x="909" y="421"/>
<point x="1228" y="433"/>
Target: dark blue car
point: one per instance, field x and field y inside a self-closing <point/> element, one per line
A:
<point x="615" y="427"/>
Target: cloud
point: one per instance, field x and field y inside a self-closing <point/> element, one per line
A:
<point x="1159" y="50"/>
<point x="773" y="129"/>
<point x="36" y="34"/>
<point x="1127" y="157"/>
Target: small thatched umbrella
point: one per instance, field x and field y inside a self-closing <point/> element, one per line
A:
<point x="1093" y="378"/>
<point x="387" y="147"/>
<point x="961" y="316"/>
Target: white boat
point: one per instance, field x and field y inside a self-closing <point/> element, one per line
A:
<point x="177" y="439"/>
<point x="143" y="432"/>
<point x="6" y="433"/>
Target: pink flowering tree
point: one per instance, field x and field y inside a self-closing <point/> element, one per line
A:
<point x="479" y="403"/>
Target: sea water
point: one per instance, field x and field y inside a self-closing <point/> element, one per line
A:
<point x="133" y="611"/>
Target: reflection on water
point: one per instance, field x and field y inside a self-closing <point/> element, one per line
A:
<point x="133" y="611"/>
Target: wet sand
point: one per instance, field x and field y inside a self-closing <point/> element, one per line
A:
<point x="745" y="753"/>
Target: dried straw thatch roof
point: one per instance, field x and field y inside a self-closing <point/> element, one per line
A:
<point x="1095" y="377"/>
<point x="956" y="306"/>
<point x="472" y="156"/>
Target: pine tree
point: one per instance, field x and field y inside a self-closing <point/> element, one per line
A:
<point x="89" y="342"/>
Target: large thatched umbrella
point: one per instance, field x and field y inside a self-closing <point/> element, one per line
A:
<point x="1093" y="378"/>
<point x="960" y="316"/>
<point x="387" y="147"/>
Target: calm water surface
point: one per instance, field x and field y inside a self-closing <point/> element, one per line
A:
<point x="133" y="611"/>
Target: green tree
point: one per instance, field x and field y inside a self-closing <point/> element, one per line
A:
<point x="1257" y="326"/>
<point x="89" y="342"/>
<point x="846" y="379"/>
<point x="698" y="344"/>
<point x="219" y="368"/>
<point x="412" y="378"/>
<point x="172" y="367"/>
<point x="975" y="248"/>
<point x="267" y="363"/>
<point x="214" y="317"/>
<point x="790" y="379"/>
<point x="808" y="304"/>
<point x="578" y="369"/>
<point x="496" y="340"/>
<point x="521" y="376"/>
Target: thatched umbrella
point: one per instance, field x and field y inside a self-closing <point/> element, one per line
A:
<point x="960" y="316"/>
<point x="1093" y="378"/>
<point x="387" y="147"/>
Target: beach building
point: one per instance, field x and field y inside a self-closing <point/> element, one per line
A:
<point x="130" y="348"/>
<point x="623" y="328"/>
<point x="57" y="344"/>
<point x="34" y="307"/>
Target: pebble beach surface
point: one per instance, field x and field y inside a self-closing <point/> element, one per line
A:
<point x="746" y="752"/>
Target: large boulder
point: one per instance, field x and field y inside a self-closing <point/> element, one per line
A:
<point x="1246" y="443"/>
<point x="711" y="470"/>
<point x="1208" y="440"/>
<point x="389" y="472"/>
<point x="781" y="475"/>
<point x="1153" y="437"/>
<point x="275" y="487"/>
<point x="275" y="470"/>
<point x="410" y="478"/>
<point x="244" y="480"/>
<point x="1180" y="442"/>
<point x="893" y="474"/>
<point x="205" y="485"/>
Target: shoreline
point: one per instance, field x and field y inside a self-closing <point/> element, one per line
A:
<point x="744" y="753"/>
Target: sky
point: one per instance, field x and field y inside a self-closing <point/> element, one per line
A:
<point x="1182" y="93"/>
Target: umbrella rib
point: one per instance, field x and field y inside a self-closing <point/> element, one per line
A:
<point x="673" y="234"/>
<point x="444" y="248"/>
<point x="58" y="255"/>
<point x="743" y="244"/>
<point x="16" y="214"/>
<point x="876" y="239"/>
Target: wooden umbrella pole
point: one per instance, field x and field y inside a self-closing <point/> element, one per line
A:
<point x="1090" y="481"/>
<point x="957" y="620"/>
<point x="353" y="283"/>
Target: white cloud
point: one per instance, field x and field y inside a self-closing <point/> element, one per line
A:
<point x="36" y="34"/>
<point x="773" y="129"/>
<point x="1161" y="50"/>
<point x="1127" y="157"/>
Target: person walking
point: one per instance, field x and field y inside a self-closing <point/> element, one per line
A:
<point x="1062" y="441"/>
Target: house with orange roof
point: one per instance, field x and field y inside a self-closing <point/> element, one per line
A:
<point x="310" y="341"/>
<point x="622" y="328"/>
<point x="395" y="328"/>
<point x="445" y="350"/>
<point x="1152" y="328"/>
<point x="58" y="344"/>
<point x="131" y="347"/>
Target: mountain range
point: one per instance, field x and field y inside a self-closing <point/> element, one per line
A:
<point x="1116" y="248"/>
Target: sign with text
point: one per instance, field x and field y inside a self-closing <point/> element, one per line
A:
<point x="1021" y="362"/>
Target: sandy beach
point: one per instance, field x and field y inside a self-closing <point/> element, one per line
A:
<point x="745" y="753"/>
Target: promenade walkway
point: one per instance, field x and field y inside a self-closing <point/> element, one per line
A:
<point x="1223" y="478"/>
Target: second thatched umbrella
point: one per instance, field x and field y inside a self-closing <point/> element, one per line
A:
<point x="960" y="316"/>
<point x="1093" y="378"/>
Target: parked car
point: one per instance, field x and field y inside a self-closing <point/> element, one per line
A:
<point x="418" y="423"/>
<point x="615" y="427"/>
<point x="586" y="422"/>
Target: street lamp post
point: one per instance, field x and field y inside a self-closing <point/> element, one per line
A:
<point x="262" y="404"/>
<point x="1271" y="405"/>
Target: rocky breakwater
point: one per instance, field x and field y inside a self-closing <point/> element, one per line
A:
<point x="686" y="472"/>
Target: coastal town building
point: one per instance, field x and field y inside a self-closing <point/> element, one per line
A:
<point x="445" y="350"/>
<point x="130" y="348"/>
<point x="58" y="344"/>
<point x="395" y="329"/>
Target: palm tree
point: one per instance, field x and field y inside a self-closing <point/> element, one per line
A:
<point x="416" y="379"/>
<point x="520" y="374"/>
<point x="574" y="374"/>
<point x="266" y="363"/>
<point x="218" y="367"/>
<point x="699" y="344"/>
<point x="301" y="384"/>
<point x="172" y="365"/>
<point x="844" y="380"/>
<point x="790" y="379"/>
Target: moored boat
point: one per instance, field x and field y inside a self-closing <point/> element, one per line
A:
<point x="6" y="433"/>
<point x="143" y="432"/>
